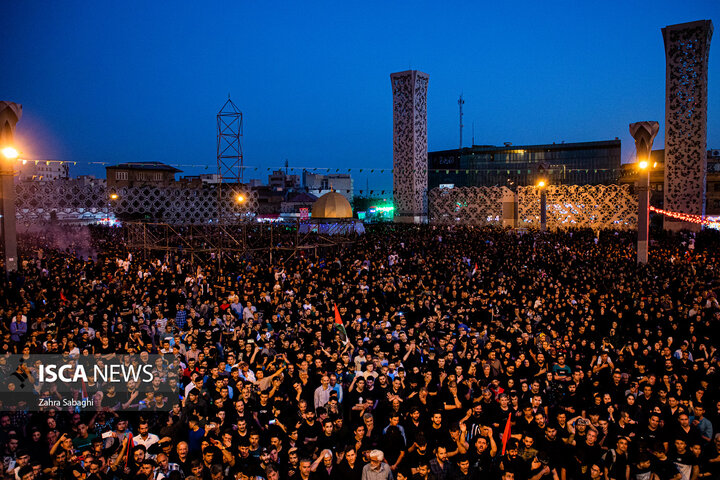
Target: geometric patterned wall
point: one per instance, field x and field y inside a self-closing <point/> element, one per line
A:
<point x="466" y="205"/>
<point x="410" y="174"/>
<point x="596" y="207"/>
<point x="70" y="200"/>
<point x="687" y="47"/>
<point x="183" y="206"/>
<point x="73" y="201"/>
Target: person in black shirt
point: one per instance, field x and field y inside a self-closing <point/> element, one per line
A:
<point x="327" y="440"/>
<point x="418" y="453"/>
<point x="350" y="468"/>
<point x="463" y="470"/>
<point x="616" y="462"/>
<point x="482" y="454"/>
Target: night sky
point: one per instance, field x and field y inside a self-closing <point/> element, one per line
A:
<point x="144" y="80"/>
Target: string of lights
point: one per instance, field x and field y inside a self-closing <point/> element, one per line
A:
<point x="687" y="217"/>
<point x="457" y="171"/>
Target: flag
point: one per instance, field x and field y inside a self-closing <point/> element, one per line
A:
<point x="130" y="446"/>
<point x="339" y="325"/>
<point x="474" y="270"/>
<point x="63" y="297"/>
<point x="506" y="433"/>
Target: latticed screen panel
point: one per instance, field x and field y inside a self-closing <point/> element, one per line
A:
<point x="580" y="206"/>
<point x="466" y="205"/>
<point x="182" y="206"/>
<point x="36" y="201"/>
<point x="64" y="200"/>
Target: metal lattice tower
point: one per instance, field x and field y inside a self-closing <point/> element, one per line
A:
<point x="229" y="147"/>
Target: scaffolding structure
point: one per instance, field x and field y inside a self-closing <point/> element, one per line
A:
<point x="242" y="240"/>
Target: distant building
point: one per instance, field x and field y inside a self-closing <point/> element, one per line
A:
<point x="90" y="180"/>
<point x="279" y="180"/>
<point x="134" y="174"/>
<point x="587" y="163"/>
<point x="39" y="171"/>
<point x="319" y="184"/>
<point x="657" y="180"/>
<point x="202" y="179"/>
<point x="296" y="201"/>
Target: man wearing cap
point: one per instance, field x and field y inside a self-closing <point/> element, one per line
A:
<point x="377" y="469"/>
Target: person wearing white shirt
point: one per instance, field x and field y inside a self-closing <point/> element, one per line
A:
<point x="144" y="437"/>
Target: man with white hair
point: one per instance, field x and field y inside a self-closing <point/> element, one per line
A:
<point x="377" y="469"/>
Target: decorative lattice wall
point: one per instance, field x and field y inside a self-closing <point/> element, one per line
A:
<point x="410" y="175"/>
<point x="69" y="200"/>
<point x="62" y="199"/>
<point x="182" y="206"/>
<point x="686" y="77"/>
<point x="466" y="205"/>
<point x="580" y="206"/>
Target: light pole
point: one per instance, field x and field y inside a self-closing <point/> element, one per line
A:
<point x="10" y="113"/>
<point x="542" y="184"/>
<point x="644" y="134"/>
<point x="110" y="205"/>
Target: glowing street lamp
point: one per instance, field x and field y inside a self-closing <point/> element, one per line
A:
<point x="114" y="196"/>
<point x="541" y="184"/>
<point x="10" y="113"/>
<point x="10" y="153"/>
<point x="644" y="134"/>
<point x="240" y="199"/>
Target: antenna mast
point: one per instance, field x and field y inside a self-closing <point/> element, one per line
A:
<point x="461" y="102"/>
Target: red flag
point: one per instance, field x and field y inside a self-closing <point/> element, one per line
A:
<point x="506" y="433"/>
<point x="130" y="445"/>
<point x="474" y="270"/>
<point x="63" y="297"/>
<point x="338" y="320"/>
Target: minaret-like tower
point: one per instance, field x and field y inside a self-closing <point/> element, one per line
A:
<point x="410" y="163"/>
<point x="686" y="78"/>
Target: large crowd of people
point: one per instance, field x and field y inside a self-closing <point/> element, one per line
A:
<point x="417" y="352"/>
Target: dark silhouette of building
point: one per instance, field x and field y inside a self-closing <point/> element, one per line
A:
<point x="136" y="174"/>
<point x="587" y="163"/>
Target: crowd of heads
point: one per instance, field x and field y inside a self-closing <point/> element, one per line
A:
<point x="421" y="352"/>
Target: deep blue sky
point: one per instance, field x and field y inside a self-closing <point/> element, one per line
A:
<point x="143" y="80"/>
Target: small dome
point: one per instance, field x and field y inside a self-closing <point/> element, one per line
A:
<point x="332" y="205"/>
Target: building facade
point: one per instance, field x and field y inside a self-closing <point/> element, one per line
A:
<point x="320" y="184"/>
<point x="137" y="174"/>
<point x="588" y="163"/>
<point x="657" y="180"/>
<point x="280" y="180"/>
<point x="39" y="171"/>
